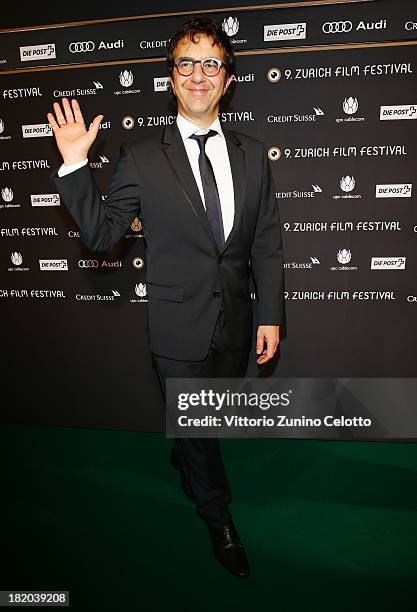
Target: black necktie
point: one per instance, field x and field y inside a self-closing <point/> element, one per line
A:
<point x="211" y="194"/>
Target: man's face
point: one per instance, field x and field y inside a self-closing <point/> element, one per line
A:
<point x="198" y="95"/>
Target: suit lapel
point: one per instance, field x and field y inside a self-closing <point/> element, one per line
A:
<point x="174" y="150"/>
<point x="177" y="157"/>
<point x="237" y="164"/>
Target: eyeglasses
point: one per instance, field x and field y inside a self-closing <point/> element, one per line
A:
<point x="210" y="65"/>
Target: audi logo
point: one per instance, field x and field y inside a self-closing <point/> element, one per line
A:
<point x="332" y="27"/>
<point x="82" y="47"/>
<point x="88" y="263"/>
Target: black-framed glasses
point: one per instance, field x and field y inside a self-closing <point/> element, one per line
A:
<point x="209" y="65"/>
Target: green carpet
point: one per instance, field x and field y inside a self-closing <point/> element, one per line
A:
<point x="328" y="526"/>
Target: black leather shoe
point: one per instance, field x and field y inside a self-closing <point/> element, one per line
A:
<point x="228" y="549"/>
<point x="184" y="483"/>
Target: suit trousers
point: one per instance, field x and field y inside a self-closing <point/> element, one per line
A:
<point x="200" y="458"/>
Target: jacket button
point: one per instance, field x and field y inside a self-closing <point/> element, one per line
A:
<point x="220" y="259"/>
<point x="216" y="294"/>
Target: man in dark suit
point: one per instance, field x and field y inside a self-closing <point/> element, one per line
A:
<point x="207" y="205"/>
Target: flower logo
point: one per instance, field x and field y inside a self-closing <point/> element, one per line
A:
<point x="136" y="225"/>
<point x="140" y="290"/>
<point x="7" y="194"/>
<point x="347" y="183"/>
<point x="126" y="78"/>
<point x="344" y="256"/>
<point x="350" y="105"/>
<point x="17" y="258"/>
<point x="230" y="25"/>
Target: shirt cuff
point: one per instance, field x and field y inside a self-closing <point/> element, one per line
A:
<point x="63" y="170"/>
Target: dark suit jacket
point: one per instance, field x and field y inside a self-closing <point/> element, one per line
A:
<point x="186" y="274"/>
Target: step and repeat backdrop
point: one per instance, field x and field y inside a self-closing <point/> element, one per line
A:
<point x="332" y="91"/>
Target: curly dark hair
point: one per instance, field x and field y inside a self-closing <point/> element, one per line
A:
<point x="201" y="24"/>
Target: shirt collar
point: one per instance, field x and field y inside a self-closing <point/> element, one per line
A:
<point x="187" y="128"/>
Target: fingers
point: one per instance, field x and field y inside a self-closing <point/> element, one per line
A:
<point x="58" y="112"/>
<point x="262" y="359"/>
<point x="96" y="122"/>
<point x="78" y="116"/>
<point x="267" y="354"/>
<point x="73" y="114"/>
<point x="52" y="122"/>
<point x="69" y="117"/>
<point x="93" y="129"/>
<point x="270" y="349"/>
<point x="259" y="343"/>
<point x="77" y="111"/>
<point x="67" y="110"/>
<point x="272" y="341"/>
<point x="260" y="338"/>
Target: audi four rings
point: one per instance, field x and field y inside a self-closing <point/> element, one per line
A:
<point x="82" y="47"/>
<point x="332" y="27"/>
<point x="88" y="263"/>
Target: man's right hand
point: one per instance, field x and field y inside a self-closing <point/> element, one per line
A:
<point x="72" y="137"/>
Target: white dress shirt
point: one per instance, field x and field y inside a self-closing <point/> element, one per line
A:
<point x="216" y="150"/>
<point x="218" y="155"/>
